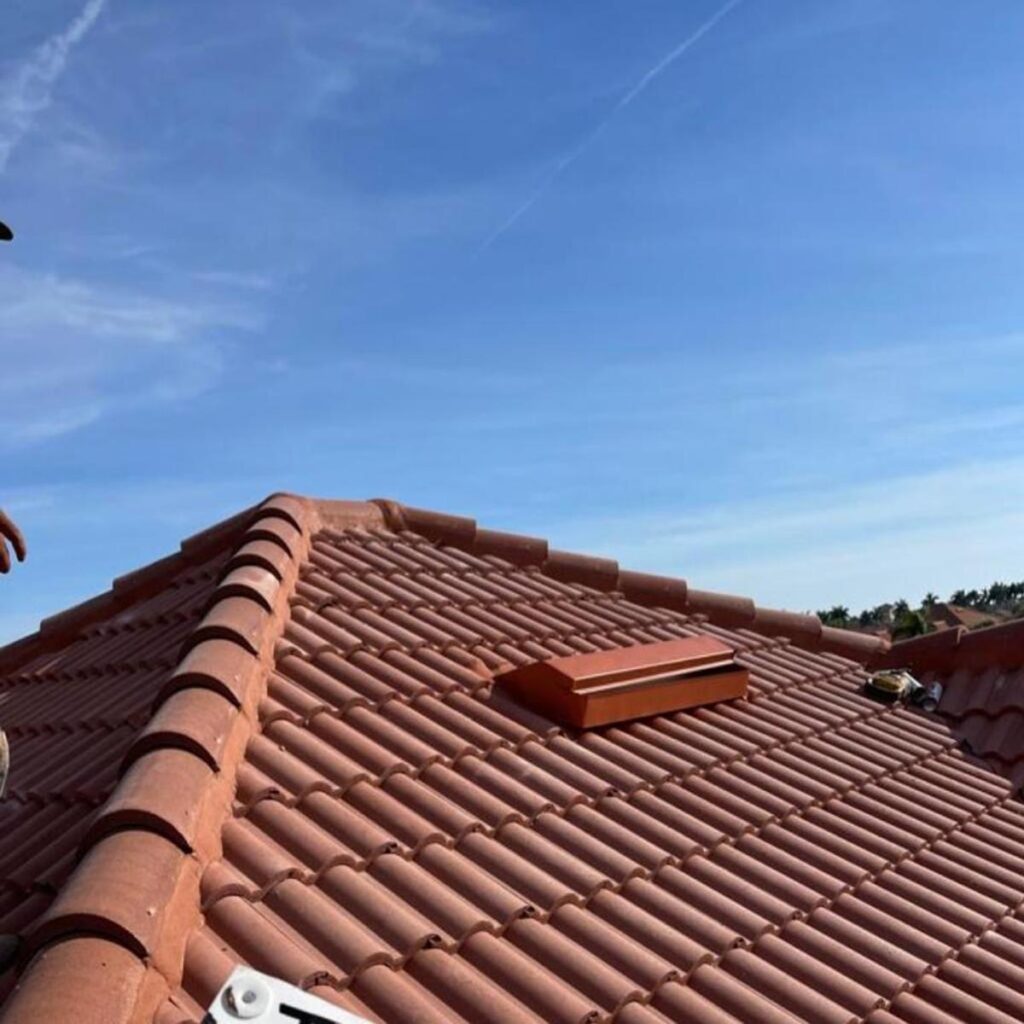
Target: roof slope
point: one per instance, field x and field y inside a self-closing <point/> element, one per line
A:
<point x="72" y="699"/>
<point x="330" y="790"/>
<point x="982" y="675"/>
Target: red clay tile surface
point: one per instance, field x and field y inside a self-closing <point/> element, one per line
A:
<point x="368" y="817"/>
<point x="70" y="715"/>
<point x="982" y="676"/>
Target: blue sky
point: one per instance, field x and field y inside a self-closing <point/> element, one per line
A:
<point x="733" y="293"/>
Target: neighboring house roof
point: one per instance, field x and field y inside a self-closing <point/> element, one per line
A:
<point x="944" y="615"/>
<point x="330" y="789"/>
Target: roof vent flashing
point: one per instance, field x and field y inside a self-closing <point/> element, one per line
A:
<point x="588" y="690"/>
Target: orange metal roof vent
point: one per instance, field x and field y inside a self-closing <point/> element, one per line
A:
<point x="587" y="690"/>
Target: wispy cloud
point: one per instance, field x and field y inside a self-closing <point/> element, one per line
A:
<point x="827" y="19"/>
<point x="984" y="422"/>
<point x="384" y="37"/>
<point x="44" y="302"/>
<point x="26" y="93"/>
<point x="563" y="164"/>
<point x="74" y="351"/>
<point x="41" y="426"/>
<point x="245" y="280"/>
<point x="962" y="525"/>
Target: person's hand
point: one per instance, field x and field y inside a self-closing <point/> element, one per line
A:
<point x="10" y="534"/>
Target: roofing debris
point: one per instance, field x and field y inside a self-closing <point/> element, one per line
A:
<point x="283" y="747"/>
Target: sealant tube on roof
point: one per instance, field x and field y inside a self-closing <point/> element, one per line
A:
<point x="931" y="697"/>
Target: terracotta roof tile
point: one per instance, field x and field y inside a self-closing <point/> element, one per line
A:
<point x="357" y="809"/>
<point x="982" y="678"/>
<point x="85" y="979"/>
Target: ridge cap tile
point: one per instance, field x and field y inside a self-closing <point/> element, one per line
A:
<point x="790" y="624"/>
<point x="591" y="570"/>
<point x="605" y="574"/>
<point x="257" y="583"/>
<point x="262" y="554"/>
<point x="276" y="530"/>
<point x="848" y="643"/>
<point x="195" y="719"/>
<point x="727" y="609"/>
<point x="82" y="979"/>
<point x="1001" y="645"/>
<point x="290" y="507"/>
<point x="517" y="548"/>
<point x="335" y="514"/>
<point x="138" y="878"/>
<point x="456" y="530"/>
<point x="123" y="889"/>
<point x="921" y="653"/>
<point x="216" y="663"/>
<point x="240" y="620"/>
<point x="125" y="590"/>
<point x="645" y="587"/>
<point x="162" y="791"/>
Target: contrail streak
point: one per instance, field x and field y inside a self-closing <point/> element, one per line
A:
<point x="573" y="155"/>
<point x="26" y="93"/>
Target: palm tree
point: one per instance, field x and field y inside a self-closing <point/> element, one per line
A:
<point x="910" y="623"/>
<point x="837" y="615"/>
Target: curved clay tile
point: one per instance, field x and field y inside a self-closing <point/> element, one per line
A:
<point x="284" y="747"/>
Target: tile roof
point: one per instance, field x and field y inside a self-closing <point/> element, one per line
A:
<point x="982" y="676"/>
<point x="943" y="615"/>
<point x="73" y="697"/>
<point x="282" y="746"/>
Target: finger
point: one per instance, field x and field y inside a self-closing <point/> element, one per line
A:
<point x="14" y="535"/>
<point x="5" y="558"/>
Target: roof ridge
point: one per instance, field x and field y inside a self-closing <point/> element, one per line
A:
<point x="124" y="591"/>
<point x="961" y="648"/>
<point x="135" y="887"/>
<point x="730" y="611"/>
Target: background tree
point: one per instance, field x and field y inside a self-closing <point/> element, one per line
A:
<point x="838" y="615"/>
<point x="909" y="623"/>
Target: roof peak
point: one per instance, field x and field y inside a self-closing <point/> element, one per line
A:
<point x="309" y="515"/>
<point x="731" y="611"/>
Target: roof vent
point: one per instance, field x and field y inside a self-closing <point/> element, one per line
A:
<point x="587" y="690"/>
